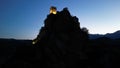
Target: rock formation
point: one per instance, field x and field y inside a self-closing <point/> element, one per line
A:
<point x="62" y="41"/>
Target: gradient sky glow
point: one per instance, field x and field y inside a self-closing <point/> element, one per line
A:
<point x="22" y="19"/>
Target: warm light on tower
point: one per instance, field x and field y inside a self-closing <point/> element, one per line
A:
<point x="53" y="10"/>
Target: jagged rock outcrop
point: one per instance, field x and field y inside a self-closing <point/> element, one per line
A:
<point x="62" y="41"/>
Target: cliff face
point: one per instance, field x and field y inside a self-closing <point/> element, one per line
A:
<point x="62" y="40"/>
<point x="63" y="27"/>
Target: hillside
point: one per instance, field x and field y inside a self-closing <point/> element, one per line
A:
<point x="115" y="35"/>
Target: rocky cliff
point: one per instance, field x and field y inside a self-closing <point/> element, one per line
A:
<point x="62" y="40"/>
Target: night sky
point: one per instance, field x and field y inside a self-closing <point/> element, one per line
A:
<point x="22" y="19"/>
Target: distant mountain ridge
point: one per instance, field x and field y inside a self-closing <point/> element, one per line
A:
<point x="115" y="35"/>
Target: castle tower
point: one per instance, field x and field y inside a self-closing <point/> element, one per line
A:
<point x="53" y="10"/>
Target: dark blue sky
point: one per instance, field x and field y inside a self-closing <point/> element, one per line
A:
<point x="22" y="19"/>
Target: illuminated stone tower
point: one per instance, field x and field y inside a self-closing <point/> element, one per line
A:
<point x="53" y="10"/>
